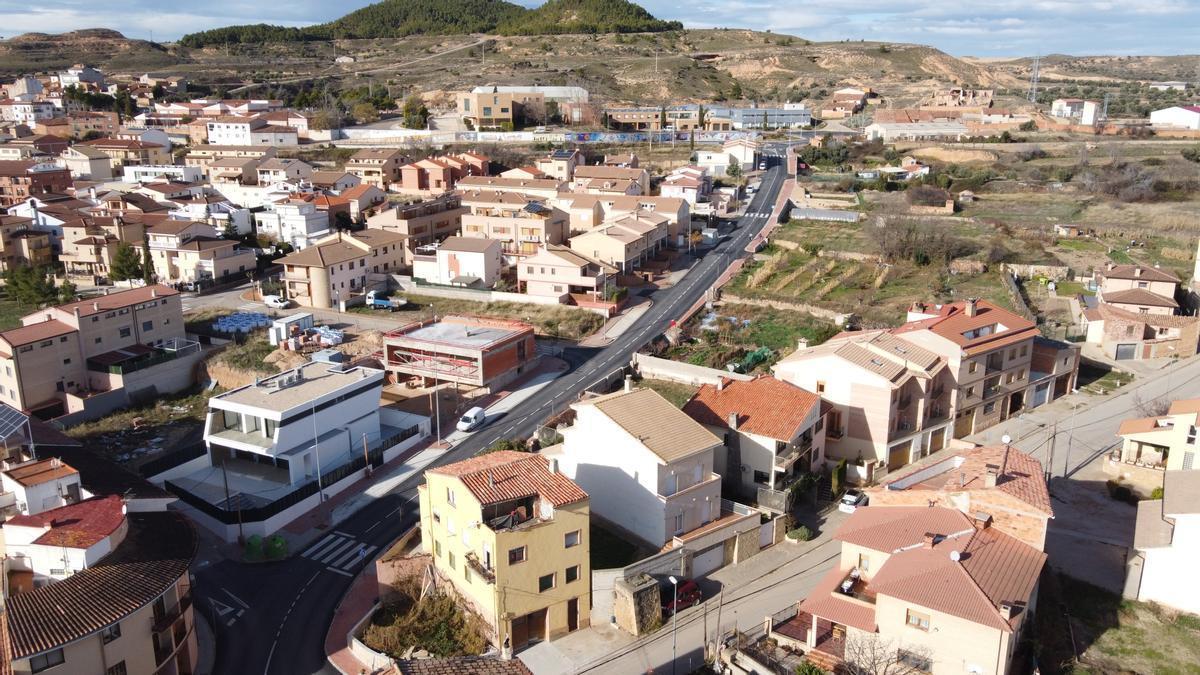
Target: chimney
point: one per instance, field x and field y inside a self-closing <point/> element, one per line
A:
<point x="720" y="384"/>
<point x="1137" y="271"/>
<point x="733" y="421"/>
<point x="628" y="383"/>
<point x="1110" y="266"/>
<point x="153" y="292"/>
<point x="1007" y="610"/>
<point x="95" y="306"/>
<point x="492" y="481"/>
<point x="971" y="306"/>
<point x="989" y="479"/>
<point x="983" y="520"/>
<point x="552" y="465"/>
<point x="929" y="540"/>
<point x="802" y="344"/>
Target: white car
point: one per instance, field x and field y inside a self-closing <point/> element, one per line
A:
<point x="851" y="501"/>
<point x="471" y="419"/>
<point x="276" y="302"/>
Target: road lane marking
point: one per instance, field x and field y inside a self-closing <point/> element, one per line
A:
<point x="335" y="552"/>
<point x="341" y="572"/>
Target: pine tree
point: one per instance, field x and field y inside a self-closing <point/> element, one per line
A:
<point x="126" y="264"/>
<point x="147" y="262"/>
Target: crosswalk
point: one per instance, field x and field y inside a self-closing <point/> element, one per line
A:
<point x="339" y="552"/>
<point x="757" y="214"/>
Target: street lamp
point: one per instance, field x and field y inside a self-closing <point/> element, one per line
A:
<point x="674" y="621"/>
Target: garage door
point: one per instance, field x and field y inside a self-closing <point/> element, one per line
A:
<point x="1040" y="393"/>
<point x="1126" y="352"/>
<point x="708" y="561"/>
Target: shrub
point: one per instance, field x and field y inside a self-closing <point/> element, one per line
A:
<point x="801" y="533"/>
<point x="1156" y="493"/>
<point x="809" y="668"/>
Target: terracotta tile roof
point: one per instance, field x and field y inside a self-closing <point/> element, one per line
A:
<point x="105" y="303"/>
<point x="80" y="525"/>
<point x="764" y="406"/>
<point x="469" y="244"/>
<point x="889" y="528"/>
<point x="463" y="665"/>
<point x="1139" y="296"/>
<point x="991" y="569"/>
<point x="1152" y="529"/>
<point x="156" y="552"/>
<point x="43" y="330"/>
<point x="1184" y="406"/>
<point x="651" y="419"/>
<point x="952" y="322"/>
<point x="358" y="191"/>
<point x="1107" y="312"/>
<point x="497" y="183"/>
<point x="1018" y="474"/>
<point x="1142" y="425"/>
<point x="827" y="602"/>
<point x="344" y="247"/>
<point x="608" y="172"/>
<point x="41" y="471"/>
<point x="1140" y="273"/>
<point x="507" y="475"/>
<point x="5" y="646"/>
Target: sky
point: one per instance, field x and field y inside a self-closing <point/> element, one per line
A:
<point x="961" y="28"/>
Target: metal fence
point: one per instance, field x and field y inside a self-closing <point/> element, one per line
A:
<point x="172" y="459"/>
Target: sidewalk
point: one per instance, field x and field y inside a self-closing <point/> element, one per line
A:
<point x="616" y="326"/>
<point x="359" y="600"/>
<point x="308" y="527"/>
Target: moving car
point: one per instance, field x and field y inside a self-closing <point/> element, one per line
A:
<point x="276" y="302"/>
<point x="762" y="166"/>
<point x="851" y="501"/>
<point x="688" y="595"/>
<point x="471" y="419"/>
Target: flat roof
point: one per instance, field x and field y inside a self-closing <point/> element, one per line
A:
<point x="475" y="336"/>
<point x="316" y="380"/>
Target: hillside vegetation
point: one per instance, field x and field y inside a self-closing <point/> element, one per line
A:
<point x="400" y="18"/>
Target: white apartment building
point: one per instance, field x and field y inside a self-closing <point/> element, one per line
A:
<point x="293" y="221"/>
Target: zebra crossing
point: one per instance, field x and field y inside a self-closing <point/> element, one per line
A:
<point x="339" y="552"/>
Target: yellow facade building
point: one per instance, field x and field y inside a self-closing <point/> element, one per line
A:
<point x="510" y="533"/>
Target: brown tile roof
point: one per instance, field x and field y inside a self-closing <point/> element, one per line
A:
<point x="764" y="406"/>
<point x="991" y="569"/>
<point x="1142" y="425"/>
<point x="463" y="665"/>
<point x="952" y="322"/>
<point x="1184" y="406"/>
<point x="1106" y="312"/>
<point x="498" y="183"/>
<point x="507" y="475"/>
<point x="120" y="143"/>
<point x="1018" y="474"/>
<point x="5" y="646"/>
<point x="1140" y="273"/>
<point x="156" y="552"/>
<point x="608" y="172"/>
<point x="1152" y="529"/>
<point x="1139" y="296"/>
<point x="41" y="471"/>
<point x="105" y="303"/>
<point x="43" y="330"/>
<point x="358" y="191"/>
<point x="80" y="525"/>
<point x="469" y="244"/>
<point x="827" y="602"/>
<point x="889" y="528"/>
<point x="1181" y="493"/>
<point x="651" y="419"/>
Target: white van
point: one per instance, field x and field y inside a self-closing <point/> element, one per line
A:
<point x="470" y="419"/>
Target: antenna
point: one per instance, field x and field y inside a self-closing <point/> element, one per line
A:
<point x="1033" y="78"/>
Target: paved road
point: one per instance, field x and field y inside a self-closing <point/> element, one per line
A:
<point x="272" y="617"/>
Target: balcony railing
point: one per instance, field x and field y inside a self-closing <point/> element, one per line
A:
<point x="476" y="565"/>
<point x="792" y="452"/>
<point x="904" y="402"/>
<point x="167" y="619"/>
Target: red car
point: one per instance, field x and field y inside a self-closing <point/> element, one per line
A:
<point x="688" y="596"/>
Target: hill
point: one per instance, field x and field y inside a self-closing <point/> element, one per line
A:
<point x="32" y="52"/>
<point x="401" y="18"/>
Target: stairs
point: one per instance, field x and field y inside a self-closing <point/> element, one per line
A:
<point x="826" y="662"/>
<point x="825" y="489"/>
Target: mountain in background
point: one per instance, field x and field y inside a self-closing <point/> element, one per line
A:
<point x="400" y="18"/>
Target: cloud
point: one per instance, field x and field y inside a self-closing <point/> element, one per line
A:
<point x="996" y="27"/>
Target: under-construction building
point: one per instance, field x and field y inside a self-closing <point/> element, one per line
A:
<point x="468" y="350"/>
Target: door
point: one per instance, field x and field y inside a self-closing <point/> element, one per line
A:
<point x="705" y="512"/>
<point x="520" y="632"/>
<point x="572" y="615"/>
<point x="1040" y="394"/>
<point x="898" y="456"/>
<point x="708" y="561"/>
<point x="766" y="534"/>
<point x="937" y="440"/>
<point x="537" y="625"/>
<point x="964" y="423"/>
<point x="1126" y="352"/>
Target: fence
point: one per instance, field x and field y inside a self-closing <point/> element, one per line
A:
<point x="172" y="459"/>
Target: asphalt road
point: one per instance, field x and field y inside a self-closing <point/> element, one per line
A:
<point x="271" y="618"/>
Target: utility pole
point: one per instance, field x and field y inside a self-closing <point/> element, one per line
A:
<point x="1033" y="78"/>
<point x="1050" y="464"/>
<point x="720" y="605"/>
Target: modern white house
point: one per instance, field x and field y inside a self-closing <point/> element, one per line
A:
<point x="147" y="173"/>
<point x="460" y="261"/>
<point x="37" y="485"/>
<point x="647" y="467"/>
<point x="1166" y="544"/>
<point x="293" y="221"/>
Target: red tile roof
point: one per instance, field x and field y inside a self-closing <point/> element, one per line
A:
<point x="42" y="471"/>
<point x="1139" y="296"/>
<point x="1139" y="272"/>
<point x="1018" y="474"/>
<point x="44" y="330"/>
<point x="80" y="525"/>
<point x="764" y="406"/>
<point x="105" y="303"/>
<point x="889" y="528"/>
<point x="507" y="475"/>
<point x="827" y="602"/>
<point x="951" y="322"/>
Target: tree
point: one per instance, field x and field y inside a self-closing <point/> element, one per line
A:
<point x="662" y="117"/>
<point x="67" y="292"/>
<point x="736" y="92"/>
<point x="126" y="264"/>
<point x="416" y="115"/>
<point x="30" y="286"/>
<point x="364" y="113"/>
<point x="734" y="170"/>
<point x="158" y="92"/>
<point x="869" y="654"/>
<point x="147" y="262"/>
<point x="1028" y="126"/>
<point x="230" y="230"/>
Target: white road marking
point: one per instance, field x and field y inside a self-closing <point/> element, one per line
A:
<point x="335" y="552"/>
<point x="341" y="572"/>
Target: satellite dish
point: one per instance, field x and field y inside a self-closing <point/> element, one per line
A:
<point x="1006" y="438"/>
<point x="955" y="556"/>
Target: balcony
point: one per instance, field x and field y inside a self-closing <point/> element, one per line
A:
<point x="904" y="402"/>
<point x="165" y="620"/>
<point x="792" y="452"/>
<point x="488" y="574"/>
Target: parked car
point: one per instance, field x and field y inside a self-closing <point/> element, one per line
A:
<point x="687" y="595"/>
<point x="471" y="419"/>
<point x="851" y="501"/>
<point x="762" y="166"/>
<point x="276" y="302"/>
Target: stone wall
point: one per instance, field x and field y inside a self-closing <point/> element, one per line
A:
<point x="838" y="318"/>
<point x="1054" y="272"/>
<point x="637" y="605"/>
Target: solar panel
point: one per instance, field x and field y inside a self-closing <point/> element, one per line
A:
<point x="11" y="421"/>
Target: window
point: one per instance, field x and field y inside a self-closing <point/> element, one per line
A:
<point x="450" y="496"/>
<point x="467" y="573"/>
<point x="98" y="340"/>
<point x="918" y="620"/>
<point x="864" y="562"/>
<point x="48" y="660"/>
<point x="62" y="339"/>
<point x="125" y="332"/>
<point x="918" y="662"/>
<point x="111" y="633"/>
<point x="450" y="559"/>
<point x="762" y="477"/>
<point x="678" y="523"/>
<point x="118" y="669"/>
<point x="545" y="582"/>
<point x="516" y="555"/>
<point x="66" y="362"/>
<point x="572" y="573"/>
<point x="820" y="388"/>
<point x="989" y="408"/>
<point x="572" y="538"/>
<point x="46" y="343"/>
<point x="1024" y="350"/>
<point x="437" y="548"/>
<point x="1191" y="435"/>
<point x="972" y="367"/>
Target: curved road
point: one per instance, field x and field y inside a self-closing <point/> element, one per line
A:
<point x="272" y="618"/>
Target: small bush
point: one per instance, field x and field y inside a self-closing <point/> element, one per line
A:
<point x="808" y="668"/>
<point x="801" y="533"/>
<point x="1156" y="493"/>
<point x="1121" y="492"/>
